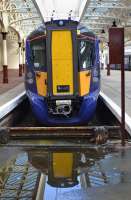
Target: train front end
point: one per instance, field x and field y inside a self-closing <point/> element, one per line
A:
<point x="62" y="73"/>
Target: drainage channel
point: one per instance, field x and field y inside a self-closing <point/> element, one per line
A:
<point x="61" y="163"/>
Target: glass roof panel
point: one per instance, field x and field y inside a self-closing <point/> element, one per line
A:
<point x="100" y="15"/>
<point x="21" y="15"/>
<point x="61" y="9"/>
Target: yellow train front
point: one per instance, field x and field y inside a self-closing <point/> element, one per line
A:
<point x="62" y="73"/>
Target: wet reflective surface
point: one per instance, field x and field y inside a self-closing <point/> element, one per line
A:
<point x="93" y="173"/>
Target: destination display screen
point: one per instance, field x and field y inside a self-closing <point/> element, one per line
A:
<point x="63" y="88"/>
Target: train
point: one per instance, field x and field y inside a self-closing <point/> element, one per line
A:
<point x="62" y="76"/>
<point x="68" y="165"/>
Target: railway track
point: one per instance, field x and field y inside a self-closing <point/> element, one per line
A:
<point x="27" y="128"/>
<point x="98" y="134"/>
<point x="25" y="134"/>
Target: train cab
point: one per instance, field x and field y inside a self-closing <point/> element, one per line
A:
<point x="62" y="73"/>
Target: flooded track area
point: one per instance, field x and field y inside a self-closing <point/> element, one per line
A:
<point x="63" y="163"/>
<point x="93" y="173"/>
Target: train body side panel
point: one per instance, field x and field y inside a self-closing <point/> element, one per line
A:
<point x="84" y="82"/>
<point x="62" y="62"/>
<point x="41" y="78"/>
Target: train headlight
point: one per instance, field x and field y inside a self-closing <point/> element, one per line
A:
<point x="95" y="73"/>
<point x="61" y="23"/>
<point x="95" y="79"/>
<point x="95" y="76"/>
<point x="29" y="75"/>
<point x="30" y="81"/>
<point x="29" y="78"/>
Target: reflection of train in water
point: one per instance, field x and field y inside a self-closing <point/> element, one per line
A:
<point x="62" y="73"/>
<point x="63" y="167"/>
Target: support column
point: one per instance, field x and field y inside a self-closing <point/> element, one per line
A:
<point x="108" y="64"/>
<point x="108" y="70"/>
<point x="20" y="60"/>
<point x="5" y="65"/>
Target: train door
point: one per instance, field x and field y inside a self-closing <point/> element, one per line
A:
<point x="62" y="63"/>
<point x="85" y="65"/>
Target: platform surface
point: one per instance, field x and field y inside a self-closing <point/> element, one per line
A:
<point x="111" y="87"/>
<point x="11" y="94"/>
<point x="13" y="78"/>
<point x="10" y="90"/>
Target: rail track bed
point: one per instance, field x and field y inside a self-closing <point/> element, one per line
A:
<point x="41" y="148"/>
<point x="102" y="127"/>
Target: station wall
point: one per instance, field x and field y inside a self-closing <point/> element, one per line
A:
<point x="12" y="52"/>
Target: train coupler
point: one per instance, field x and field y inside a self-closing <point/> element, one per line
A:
<point x="101" y="135"/>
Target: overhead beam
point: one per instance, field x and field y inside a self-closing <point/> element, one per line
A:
<point x="24" y="19"/>
<point x="19" y="9"/>
<point x="97" y="23"/>
<point x="85" y="6"/>
<point x="105" y="17"/>
<point x="110" y="7"/>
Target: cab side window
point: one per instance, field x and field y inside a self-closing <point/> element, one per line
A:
<point x="38" y="53"/>
<point x="86" y="55"/>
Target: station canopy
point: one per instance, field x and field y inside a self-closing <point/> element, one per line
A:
<point x="96" y="15"/>
<point x="61" y="9"/>
<point x="100" y="15"/>
<point x="20" y="15"/>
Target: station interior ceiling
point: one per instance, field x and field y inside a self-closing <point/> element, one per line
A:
<point x="20" y="17"/>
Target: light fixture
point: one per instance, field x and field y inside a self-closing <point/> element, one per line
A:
<point x="114" y="24"/>
<point x="102" y="31"/>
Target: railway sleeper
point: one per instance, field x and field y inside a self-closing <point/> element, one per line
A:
<point x="95" y="134"/>
<point x="4" y="135"/>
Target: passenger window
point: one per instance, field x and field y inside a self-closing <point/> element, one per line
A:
<point x="86" y="55"/>
<point x="38" y="53"/>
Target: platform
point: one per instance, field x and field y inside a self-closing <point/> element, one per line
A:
<point x="111" y="93"/>
<point x="13" y="78"/>
<point x="11" y="94"/>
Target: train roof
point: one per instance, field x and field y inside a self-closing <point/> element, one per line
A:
<point x="42" y="31"/>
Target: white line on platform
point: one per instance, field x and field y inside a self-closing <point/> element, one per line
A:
<point x="9" y="106"/>
<point x="116" y="110"/>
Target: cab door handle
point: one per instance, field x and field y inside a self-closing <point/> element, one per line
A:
<point x="38" y="74"/>
<point x="88" y="74"/>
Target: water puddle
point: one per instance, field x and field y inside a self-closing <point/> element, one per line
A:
<point x="94" y="173"/>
